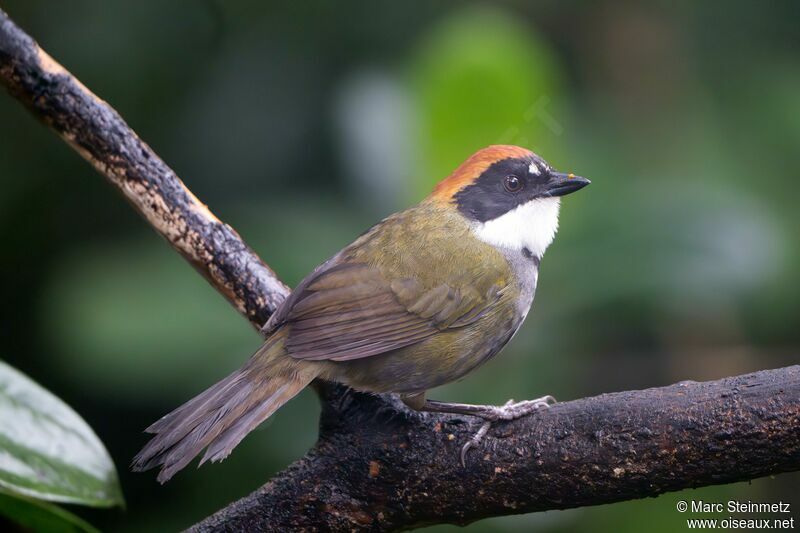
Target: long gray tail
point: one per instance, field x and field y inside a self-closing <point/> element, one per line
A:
<point x="219" y="418"/>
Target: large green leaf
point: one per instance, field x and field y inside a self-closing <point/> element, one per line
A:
<point x="47" y="451"/>
<point x="36" y="515"/>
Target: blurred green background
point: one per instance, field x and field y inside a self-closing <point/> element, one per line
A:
<point x="301" y="124"/>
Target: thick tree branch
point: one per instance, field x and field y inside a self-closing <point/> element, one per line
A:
<point x="378" y="466"/>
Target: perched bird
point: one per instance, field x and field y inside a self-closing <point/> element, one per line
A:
<point x="420" y="299"/>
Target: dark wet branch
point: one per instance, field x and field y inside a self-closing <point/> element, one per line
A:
<point x="397" y="469"/>
<point x="378" y="466"/>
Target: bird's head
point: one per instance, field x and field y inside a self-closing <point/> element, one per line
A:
<point x="510" y="196"/>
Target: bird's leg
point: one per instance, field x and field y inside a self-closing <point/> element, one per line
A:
<point x="490" y="413"/>
<point x="510" y="411"/>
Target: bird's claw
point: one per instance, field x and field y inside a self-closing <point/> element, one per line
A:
<point x="474" y="441"/>
<point x="509" y="411"/>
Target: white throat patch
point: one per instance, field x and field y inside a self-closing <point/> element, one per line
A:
<point x="532" y="225"/>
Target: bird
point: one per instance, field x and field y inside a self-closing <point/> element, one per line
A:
<point x="420" y="299"/>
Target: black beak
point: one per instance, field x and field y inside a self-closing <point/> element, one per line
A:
<point x="561" y="184"/>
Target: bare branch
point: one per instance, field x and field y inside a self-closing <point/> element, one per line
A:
<point x="378" y="466"/>
<point x="99" y="135"/>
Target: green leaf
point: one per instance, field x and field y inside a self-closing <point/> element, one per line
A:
<point x="47" y="451"/>
<point x="37" y="515"/>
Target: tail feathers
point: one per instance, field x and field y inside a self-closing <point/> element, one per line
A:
<point x="224" y="444"/>
<point x="218" y="419"/>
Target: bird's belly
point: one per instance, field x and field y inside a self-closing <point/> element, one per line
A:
<point x="443" y="358"/>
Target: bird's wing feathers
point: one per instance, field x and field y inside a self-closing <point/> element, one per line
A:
<point x="349" y="310"/>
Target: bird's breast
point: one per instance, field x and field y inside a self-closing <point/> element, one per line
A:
<point x="525" y="267"/>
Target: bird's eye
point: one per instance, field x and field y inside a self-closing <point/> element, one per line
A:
<point x="512" y="183"/>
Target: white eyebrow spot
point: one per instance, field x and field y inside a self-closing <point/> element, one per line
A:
<point x="533" y="169"/>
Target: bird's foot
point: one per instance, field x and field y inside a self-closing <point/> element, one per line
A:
<point x="511" y="410"/>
